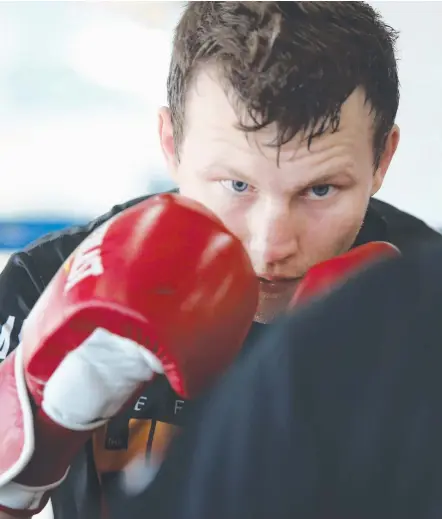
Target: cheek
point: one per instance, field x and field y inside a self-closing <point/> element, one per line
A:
<point x="192" y="186"/>
<point x="233" y="216"/>
<point x="332" y="231"/>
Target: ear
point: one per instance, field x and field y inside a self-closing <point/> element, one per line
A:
<point x="389" y="151"/>
<point x="167" y="142"/>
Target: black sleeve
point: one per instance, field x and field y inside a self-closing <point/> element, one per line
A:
<point x="336" y="413"/>
<point x="404" y="230"/>
<point x="19" y="291"/>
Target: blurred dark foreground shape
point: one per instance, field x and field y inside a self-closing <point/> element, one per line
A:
<point x="336" y="414"/>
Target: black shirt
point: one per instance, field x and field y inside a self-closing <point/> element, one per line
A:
<point x="149" y="425"/>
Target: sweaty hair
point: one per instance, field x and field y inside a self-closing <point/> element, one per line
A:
<point x="292" y="64"/>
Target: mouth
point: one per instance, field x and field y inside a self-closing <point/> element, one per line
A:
<point x="277" y="285"/>
<point x="276" y="279"/>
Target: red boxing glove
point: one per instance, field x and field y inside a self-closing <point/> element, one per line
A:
<point x="161" y="288"/>
<point x="326" y="275"/>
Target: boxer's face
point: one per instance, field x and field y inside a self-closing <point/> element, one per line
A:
<point x="289" y="216"/>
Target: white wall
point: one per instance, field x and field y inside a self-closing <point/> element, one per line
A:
<point x="414" y="181"/>
<point x="3" y="259"/>
<point x="80" y="87"/>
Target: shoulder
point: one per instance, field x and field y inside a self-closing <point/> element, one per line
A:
<point x="401" y="228"/>
<point x="29" y="271"/>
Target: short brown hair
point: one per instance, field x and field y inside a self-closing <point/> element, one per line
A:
<point x="289" y="63"/>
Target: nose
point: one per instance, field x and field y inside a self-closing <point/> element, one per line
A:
<point x="273" y="238"/>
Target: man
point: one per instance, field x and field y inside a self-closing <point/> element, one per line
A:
<point x="281" y="120"/>
<point x="337" y="412"/>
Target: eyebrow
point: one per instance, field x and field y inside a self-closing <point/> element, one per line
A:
<point x="325" y="178"/>
<point x="328" y="178"/>
<point x="221" y="169"/>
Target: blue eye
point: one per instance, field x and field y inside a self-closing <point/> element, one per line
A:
<point x="239" y="186"/>
<point x="235" y="185"/>
<point x="321" y="191"/>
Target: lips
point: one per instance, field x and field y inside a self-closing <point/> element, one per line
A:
<point x="277" y="285"/>
<point x="275" y="279"/>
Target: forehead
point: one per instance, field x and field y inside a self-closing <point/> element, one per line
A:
<point x="213" y="114"/>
